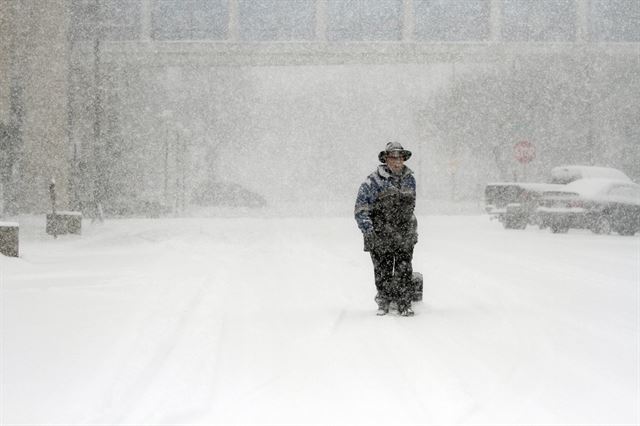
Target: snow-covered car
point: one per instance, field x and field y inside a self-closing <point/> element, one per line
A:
<point x="601" y="205"/>
<point x="515" y="203"/>
<point x="567" y="174"/>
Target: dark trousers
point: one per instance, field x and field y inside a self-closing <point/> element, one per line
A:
<point x="393" y="271"/>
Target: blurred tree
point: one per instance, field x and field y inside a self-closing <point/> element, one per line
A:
<point x="9" y="143"/>
<point x="559" y="104"/>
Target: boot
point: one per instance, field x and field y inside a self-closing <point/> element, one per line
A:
<point x="383" y="306"/>
<point x="404" y="309"/>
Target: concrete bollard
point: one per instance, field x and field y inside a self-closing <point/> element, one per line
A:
<point x="62" y="222"/>
<point x="9" y="239"/>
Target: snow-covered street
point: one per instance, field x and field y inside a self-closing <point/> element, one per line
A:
<point x="272" y="321"/>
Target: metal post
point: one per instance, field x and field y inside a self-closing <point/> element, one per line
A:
<point x="183" y="189"/>
<point x="97" y="125"/>
<point x="234" y="30"/>
<point x="589" y="77"/>
<point x="495" y="20"/>
<point x="166" y="166"/>
<point x="54" y="222"/>
<point x="582" y="21"/>
<point x="179" y="166"/>
<point x="72" y="182"/>
<point x="145" y="20"/>
<point x="98" y="157"/>
<point x="52" y="195"/>
<point x="408" y="20"/>
<point x="321" y="20"/>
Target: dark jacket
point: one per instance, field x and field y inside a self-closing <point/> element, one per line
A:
<point x="384" y="210"/>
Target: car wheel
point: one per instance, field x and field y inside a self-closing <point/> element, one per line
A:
<point x="559" y="229"/>
<point x="515" y="222"/>
<point x="602" y="225"/>
<point x="626" y="231"/>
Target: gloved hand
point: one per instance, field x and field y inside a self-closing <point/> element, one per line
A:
<point x="369" y="241"/>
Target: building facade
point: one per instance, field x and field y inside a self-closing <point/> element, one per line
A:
<point x="65" y="64"/>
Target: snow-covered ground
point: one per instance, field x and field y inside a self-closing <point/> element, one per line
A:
<point x="271" y="321"/>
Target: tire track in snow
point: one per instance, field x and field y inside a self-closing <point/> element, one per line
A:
<point x="123" y="401"/>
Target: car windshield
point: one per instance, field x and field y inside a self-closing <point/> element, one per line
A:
<point x="591" y="187"/>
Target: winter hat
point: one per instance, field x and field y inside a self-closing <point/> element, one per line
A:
<point x="393" y="147"/>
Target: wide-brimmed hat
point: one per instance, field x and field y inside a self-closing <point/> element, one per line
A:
<point x="394" y="148"/>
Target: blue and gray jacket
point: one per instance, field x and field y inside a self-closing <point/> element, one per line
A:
<point x="385" y="208"/>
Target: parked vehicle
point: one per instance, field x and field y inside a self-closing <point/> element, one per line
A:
<point x="227" y="194"/>
<point x="515" y="204"/>
<point x="601" y="205"/>
<point x="135" y="207"/>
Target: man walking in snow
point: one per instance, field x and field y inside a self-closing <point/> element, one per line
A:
<point x="384" y="213"/>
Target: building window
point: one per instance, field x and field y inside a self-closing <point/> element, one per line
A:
<point x="189" y="19"/>
<point x="83" y="19"/>
<point x="615" y="20"/>
<point x="106" y="19"/>
<point x="453" y="20"/>
<point x="540" y="20"/>
<point x="265" y="20"/>
<point x="361" y="20"/>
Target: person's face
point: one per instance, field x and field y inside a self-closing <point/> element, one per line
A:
<point x="395" y="163"/>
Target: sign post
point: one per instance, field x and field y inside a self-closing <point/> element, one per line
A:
<point x="524" y="152"/>
<point x="52" y="195"/>
<point x="452" y="168"/>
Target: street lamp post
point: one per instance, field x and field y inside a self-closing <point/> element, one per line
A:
<point x="99" y="184"/>
<point x="166" y="115"/>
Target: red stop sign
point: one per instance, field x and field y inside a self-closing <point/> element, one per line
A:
<point x="525" y="152"/>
